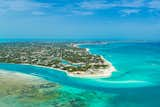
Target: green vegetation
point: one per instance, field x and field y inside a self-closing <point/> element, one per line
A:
<point x="50" y="55"/>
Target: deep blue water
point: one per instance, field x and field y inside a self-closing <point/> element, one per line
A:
<point x="136" y="82"/>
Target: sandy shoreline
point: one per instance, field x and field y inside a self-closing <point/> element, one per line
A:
<point x="100" y="73"/>
<point x="91" y="73"/>
<point x="103" y="74"/>
<point x="106" y="72"/>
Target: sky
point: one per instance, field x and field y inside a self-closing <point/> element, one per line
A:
<point x="74" y="19"/>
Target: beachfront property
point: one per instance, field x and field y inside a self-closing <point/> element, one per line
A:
<point x="62" y="56"/>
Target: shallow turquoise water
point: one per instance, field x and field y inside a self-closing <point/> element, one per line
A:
<point x="135" y="84"/>
<point x="133" y="61"/>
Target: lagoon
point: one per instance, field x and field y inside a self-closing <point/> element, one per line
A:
<point x="134" y="83"/>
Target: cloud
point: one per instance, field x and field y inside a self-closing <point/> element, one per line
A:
<point x="129" y="7"/>
<point x="154" y="4"/>
<point x="22" y="5"/>
<point x="103" y="4"/>
<point x="77" y="12"/>
<point x="129" y="11"/>
<point x="126" y="7"/>
<point x="132" y="4"/>
<point x="83" y="7"/>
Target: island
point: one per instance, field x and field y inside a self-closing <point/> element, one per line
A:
<point x="63" y="56"/>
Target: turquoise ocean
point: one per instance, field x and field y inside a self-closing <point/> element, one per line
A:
<point x="136" y="83"/>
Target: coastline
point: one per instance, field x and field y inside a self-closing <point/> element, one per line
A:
<point x="102" y="73"/>
<point x="105" y="74"/>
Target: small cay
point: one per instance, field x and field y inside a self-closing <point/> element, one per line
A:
<point x="67" y="57"/>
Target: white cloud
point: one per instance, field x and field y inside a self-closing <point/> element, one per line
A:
<point x="77" y="12"/>
<point x="22" y="5"/>
<point x="85" y="7"/>
<point x="154" y="4"/>
<point x="129" y="11"/>
<point x="132" y="4"/>
<point x="103" y="4"/>
<point x="128" y="6"/>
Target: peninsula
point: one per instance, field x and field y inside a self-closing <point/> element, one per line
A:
<point x="67" y="57"/>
